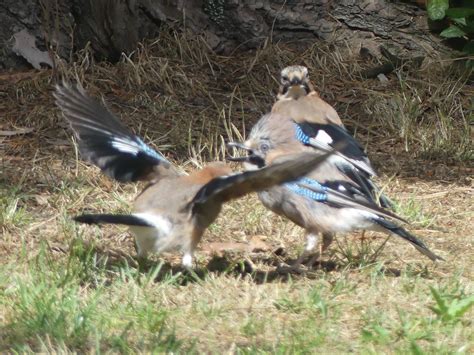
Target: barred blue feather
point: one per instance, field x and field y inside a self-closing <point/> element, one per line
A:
<point x="311" y="194"/>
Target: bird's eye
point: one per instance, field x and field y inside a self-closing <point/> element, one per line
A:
<point x="284" y="78"/>
<point x="264" y="147"/>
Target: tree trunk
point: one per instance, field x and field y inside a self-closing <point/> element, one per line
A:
<point x="32" y="28"/>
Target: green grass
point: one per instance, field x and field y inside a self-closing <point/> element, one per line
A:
<point x="81" y="302"/>
<point x="73" y="304"/>
<point x="13" y="211"/>
<point x="71" y="288"/>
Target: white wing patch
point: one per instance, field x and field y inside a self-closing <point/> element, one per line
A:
<point x="323" y="137"/>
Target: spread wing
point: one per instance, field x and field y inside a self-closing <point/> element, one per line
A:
<point x="222" y="189"/>
<point x="104" y="140"/>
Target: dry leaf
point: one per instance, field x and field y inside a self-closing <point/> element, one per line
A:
<point x="41" y="199"/>
<point x="25" y="46"/>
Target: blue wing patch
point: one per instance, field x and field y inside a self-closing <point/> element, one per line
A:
<point x="321" y="196"/>
<point x="301" y="136"/>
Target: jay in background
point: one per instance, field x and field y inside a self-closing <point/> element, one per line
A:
<point x="174" y="210"/>
<point x="318" y="125"/>
<point x="326" y="201"/>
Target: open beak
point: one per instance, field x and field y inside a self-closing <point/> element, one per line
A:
<point x="250" y="158"/>
<point x="239" y="145"/>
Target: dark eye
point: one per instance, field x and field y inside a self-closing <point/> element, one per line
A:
<point x="264" y="147"/>
<point x="284" y="78"/>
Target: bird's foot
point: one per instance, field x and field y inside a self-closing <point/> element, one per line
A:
<point x="290" y="269"/>
<point x="313" y="260"/>
<point x="301" y="265"/>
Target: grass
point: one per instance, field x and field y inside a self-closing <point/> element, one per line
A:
<point x="70" y="288"/>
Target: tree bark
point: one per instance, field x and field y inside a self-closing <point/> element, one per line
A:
<point x="113" y="27"/>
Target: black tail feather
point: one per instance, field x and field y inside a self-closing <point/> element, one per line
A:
<point x="417" y="243"/>
<point x="129" y="220"/>
<point x="380" y="197"/>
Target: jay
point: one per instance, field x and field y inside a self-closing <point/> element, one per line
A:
<point x="319" y="126"/>
<point x="173" y="210"/>
<point x="325" y="201"/>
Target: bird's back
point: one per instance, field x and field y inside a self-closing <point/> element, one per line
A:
<point x="309" y="108"/>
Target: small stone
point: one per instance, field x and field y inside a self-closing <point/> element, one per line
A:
<point x="382" y="78"/>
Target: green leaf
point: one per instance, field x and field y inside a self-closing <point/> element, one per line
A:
<point x="437" y="9"/>
<point x="469" y="27"/>
<point x="452" y="32"/>
<point x="415" y="348"/>
<point x="460" y="21"/>
<point x="459" y="308"/>
<point x="459" y="12"/>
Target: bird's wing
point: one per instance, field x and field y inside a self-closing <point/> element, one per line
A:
<point x="341" y="195"/>
<point x="325" y="136"/>
<point x="222" y="189"/>
<point x="351" y="161"/>
<point x="311" y="189"/>
<point x="104" y="140"/>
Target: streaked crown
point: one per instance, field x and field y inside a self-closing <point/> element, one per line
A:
<point x="294" y="82"/>
<point x="294" y="75"/>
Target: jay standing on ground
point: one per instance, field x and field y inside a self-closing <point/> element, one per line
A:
<point x="336" y="197"/>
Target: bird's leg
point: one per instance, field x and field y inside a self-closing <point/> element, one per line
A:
<point x="187" y="260"/>
<point x="312" y="240"/>
<point x="327" y="240"/>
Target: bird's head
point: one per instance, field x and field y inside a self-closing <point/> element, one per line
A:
<point x="256" y="146"/>
<point x="256" y="152"/>
<point x="294" y="82"/>
<point x="269" y="133"/>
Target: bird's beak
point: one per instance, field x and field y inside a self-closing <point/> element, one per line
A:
<point x="251" y="158"/>
<point x="239" y="145"/>
<point x="295" y="82"/>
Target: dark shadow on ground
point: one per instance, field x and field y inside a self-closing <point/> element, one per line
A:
<point x="275" y="267"/>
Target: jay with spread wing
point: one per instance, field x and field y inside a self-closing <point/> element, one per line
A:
<point x="174" y="210"/>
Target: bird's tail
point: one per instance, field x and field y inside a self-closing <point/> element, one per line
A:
<point x="126" y="219"/>
<point x="399" y="231"/>
<point x="380" y="197"/>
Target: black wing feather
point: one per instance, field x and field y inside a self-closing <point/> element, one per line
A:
<point x="352" y="151"/>
<point x="128" y="220"/>
<point x="222" y="189"/>
<point x="103" y="139"/>
<point x="356" y="166"/>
